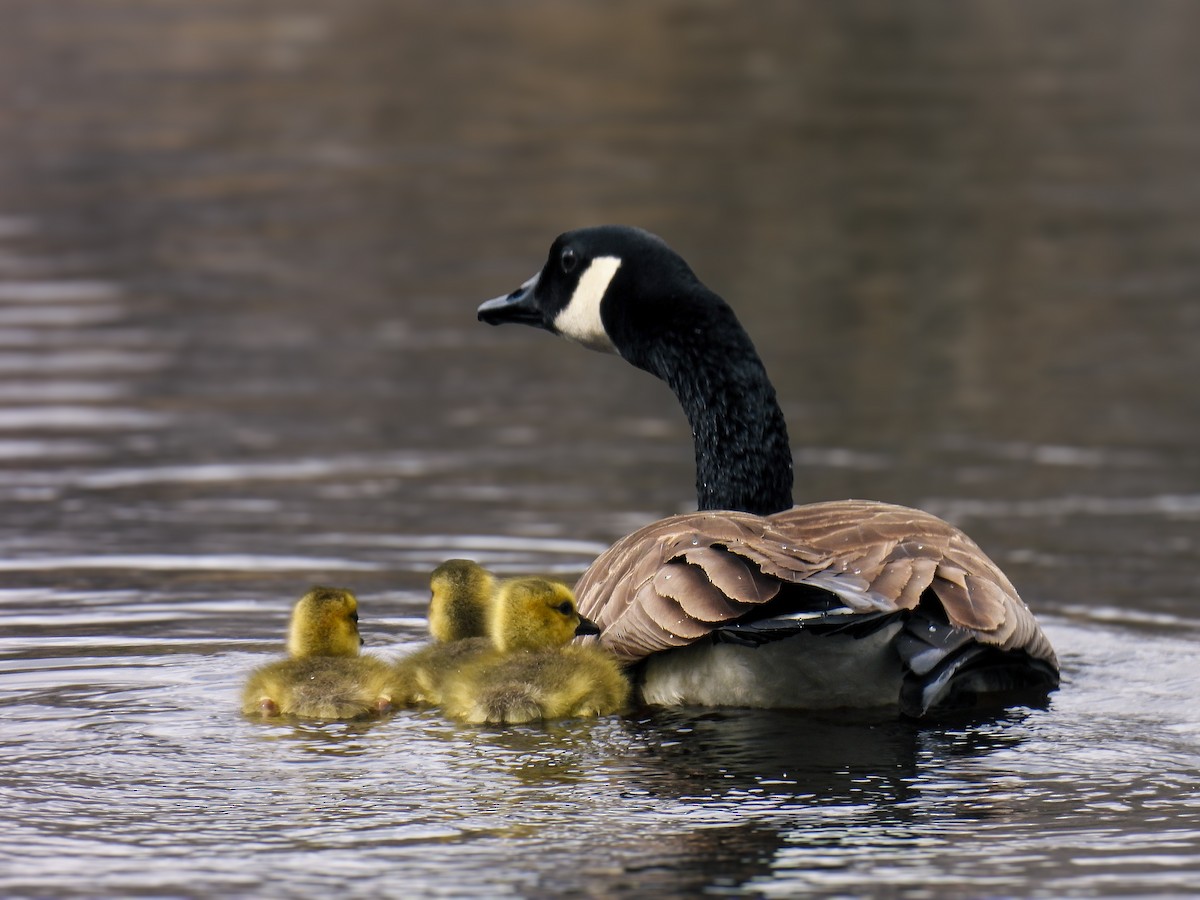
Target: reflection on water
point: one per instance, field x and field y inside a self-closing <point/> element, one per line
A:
<point x="241" y="246"/>
<point x="129" y="764"/>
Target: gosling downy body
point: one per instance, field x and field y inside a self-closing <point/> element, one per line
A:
<point x="460" y="599"/>
<point x="324" y="676"/>
<point x="751" y="601"/>
<point x="532" y="672"/>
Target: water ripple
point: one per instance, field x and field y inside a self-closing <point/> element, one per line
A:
<point x="85" y="418"/>
<point x="57" y="291"/>
<point x="391" y="464"/>
<point x="59" y="316"/>
<point x="48" y="449"/>
<point x="958" y="508"/>
<point x="448" y="543"/>
<point x="41" y="391"/>
<point x="229" y="562"/>
<point x="81" y="360"/>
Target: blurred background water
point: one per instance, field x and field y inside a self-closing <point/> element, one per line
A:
<point x="241" y="247"/>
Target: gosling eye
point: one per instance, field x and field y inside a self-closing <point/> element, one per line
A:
<point x="565" y="608"/>
<point x="354" y="617"/>
<point x="568" y="260"/>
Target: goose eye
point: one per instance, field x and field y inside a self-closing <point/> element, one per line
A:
<point x="568" y="260"/>
<point x="565" y="608"/>
<point x="354" y="617"/>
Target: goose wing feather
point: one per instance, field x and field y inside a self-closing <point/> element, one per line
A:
<point x="680" y="578"/>
<point x="703" y="599"/>
<point x="733" y="576"/>
<point x="652" y="622"/>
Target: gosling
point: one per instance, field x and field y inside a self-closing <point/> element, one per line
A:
<point x="532" y="671"/>
<point x="460" y="596"/>
<point x="324" y="676"/>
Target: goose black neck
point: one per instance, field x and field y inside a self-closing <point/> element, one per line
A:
<point x="743" y="458"/>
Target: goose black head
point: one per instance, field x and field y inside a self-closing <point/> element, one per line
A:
<point x="624" y="291"/>
<point x="605" y="287"/>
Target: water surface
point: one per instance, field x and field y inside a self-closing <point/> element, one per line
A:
<point x="241" y="246"/>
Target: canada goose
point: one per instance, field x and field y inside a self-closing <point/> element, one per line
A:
<point x="532" y="672"/>
<point x="324" y="676"/>
<point x="460" y="597"/>
<point x="751" y="601"/>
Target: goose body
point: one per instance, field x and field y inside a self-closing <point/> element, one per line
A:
<point x="460" y="599"/>
<point x="531" y="672"/>
<point x="752" y="601"/>
<point x="324" y="676"/>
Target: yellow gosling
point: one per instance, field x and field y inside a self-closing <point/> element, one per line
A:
<point x="532" y="672"/>
<point x="324" y="677"/>
<point x="460" y="596"/>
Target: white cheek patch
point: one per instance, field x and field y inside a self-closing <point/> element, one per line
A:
<point x="579" y="320"/>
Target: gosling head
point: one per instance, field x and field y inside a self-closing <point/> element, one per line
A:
<point x="535" y="614"/>
<point x="325" y="623"/>
<point x="461" y="593"/>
